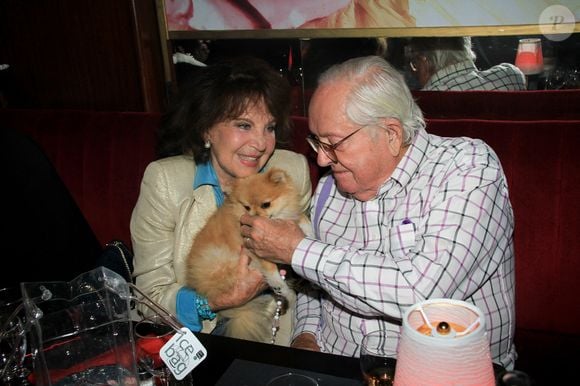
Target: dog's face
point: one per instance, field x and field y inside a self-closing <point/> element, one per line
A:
<point x="271" y="194"/>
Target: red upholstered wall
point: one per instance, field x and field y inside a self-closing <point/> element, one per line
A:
<point x="100" y="157"/>
<point x="504" y="105"/>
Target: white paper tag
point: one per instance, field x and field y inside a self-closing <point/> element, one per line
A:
<point x="182" y="353"/>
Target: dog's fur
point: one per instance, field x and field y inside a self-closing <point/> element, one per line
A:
<point x="213" y="260"/>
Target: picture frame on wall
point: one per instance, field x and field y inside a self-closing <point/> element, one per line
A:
<point x="354" y="18"/>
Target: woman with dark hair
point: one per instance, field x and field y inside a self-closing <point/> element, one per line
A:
<point x="226" y="124"/>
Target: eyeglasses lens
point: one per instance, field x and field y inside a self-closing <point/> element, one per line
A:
<point x="326" y="148"/>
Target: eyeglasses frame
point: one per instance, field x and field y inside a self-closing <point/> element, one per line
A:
<point x="329" y="149"/>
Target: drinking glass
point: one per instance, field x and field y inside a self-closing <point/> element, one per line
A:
<point x="151" y="334"/>
<point x="376" y="361"/>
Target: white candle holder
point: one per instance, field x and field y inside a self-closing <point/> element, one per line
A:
<point x="444" y="342"/>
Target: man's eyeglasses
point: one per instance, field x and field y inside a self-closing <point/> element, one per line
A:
<point x="328" y="149"/>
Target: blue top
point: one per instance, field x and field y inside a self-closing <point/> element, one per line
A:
<point x="186" y="307"/>
<point x="206" y="175"/>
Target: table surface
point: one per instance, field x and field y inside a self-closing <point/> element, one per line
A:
<point x="235" y="362"/>
<point x="222" y="352"/>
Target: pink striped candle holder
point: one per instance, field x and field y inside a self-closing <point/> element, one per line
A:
<point x="444" y="342"/>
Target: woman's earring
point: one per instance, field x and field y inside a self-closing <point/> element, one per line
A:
<point x="207" y="144"/>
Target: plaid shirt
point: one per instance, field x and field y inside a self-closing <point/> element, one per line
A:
<point x="464" y="76"/>
<point x="440" y="227"/>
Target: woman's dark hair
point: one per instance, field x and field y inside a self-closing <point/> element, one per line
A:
<point x="220" y="92"/>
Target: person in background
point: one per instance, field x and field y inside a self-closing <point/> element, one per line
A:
<point x="402" y="217"/>
<point x="47" y="227"/>
<point x="189" y="58"/>
<point x="447" y="63"/>
<point x="195" y="52"/>
<point x="226" y="125"/>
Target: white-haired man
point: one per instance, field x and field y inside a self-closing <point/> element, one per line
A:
<point x="403" y="216"/>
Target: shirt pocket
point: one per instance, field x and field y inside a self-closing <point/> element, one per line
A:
<point x="400" y="241"/>
<point x="395" y="241"/>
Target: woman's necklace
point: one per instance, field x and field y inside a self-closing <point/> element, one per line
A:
<point x="276" y="319"/>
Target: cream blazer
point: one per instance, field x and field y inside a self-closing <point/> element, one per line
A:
<point x="168" y="215"/>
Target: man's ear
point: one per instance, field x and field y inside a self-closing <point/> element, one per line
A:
<point x="394" y="133"/>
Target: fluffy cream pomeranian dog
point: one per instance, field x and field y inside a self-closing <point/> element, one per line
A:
<point x="214" y="255"/>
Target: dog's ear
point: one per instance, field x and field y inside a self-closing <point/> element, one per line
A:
<point x="277" y="176"/>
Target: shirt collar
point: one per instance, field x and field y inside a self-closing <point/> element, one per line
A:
<point x="410" y="161"/>
<point x="205" y="175"/>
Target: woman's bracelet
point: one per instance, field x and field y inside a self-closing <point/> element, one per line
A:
<point x="203" y="310"/>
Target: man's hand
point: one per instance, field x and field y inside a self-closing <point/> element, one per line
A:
<point x="305" y="341"/>
<point x="271" y="239"/>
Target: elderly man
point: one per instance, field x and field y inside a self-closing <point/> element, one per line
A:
<point x="403" y="217"/>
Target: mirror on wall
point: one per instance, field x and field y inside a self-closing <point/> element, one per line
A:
<point x="301" y="60"/>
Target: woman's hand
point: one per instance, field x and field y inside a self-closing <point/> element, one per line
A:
<point x="271" y="239"/>
<point x="248" y="283"/>
<point x="305" y="341"/>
